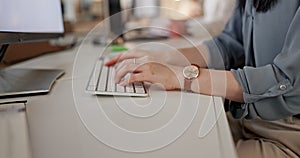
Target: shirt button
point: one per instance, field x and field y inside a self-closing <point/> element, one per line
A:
<point x="282" y="87"/>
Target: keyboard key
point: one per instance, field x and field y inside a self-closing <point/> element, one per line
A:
<point x="111" y="80"/>
<point x="139" y="87"/>
<point x="96" y="73"/>
<point x="130" y="89"/>
<point x="120" y="88"/>
<point x="103" y="78"/>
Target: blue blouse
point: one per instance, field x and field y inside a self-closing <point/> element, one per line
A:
<point x="263" y="52"/>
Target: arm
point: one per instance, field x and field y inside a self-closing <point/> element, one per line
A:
<point x="196" y="55"/>
<point x="273" y="91"/>
<point x="218" y="83"/>
<point x="270" y="92"/>
<point x="224" y="51"/>
<point x="170" y="77"/>
<point x="182" y="57"/>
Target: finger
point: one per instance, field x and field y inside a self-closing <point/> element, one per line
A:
<point x="113" y="61"/>
<point x="124" y="63"/>
<point x="142" y="61"/>
<point x="120" y="58"/>
<point x="135" y="77"/>
<point x="130" y="68"/>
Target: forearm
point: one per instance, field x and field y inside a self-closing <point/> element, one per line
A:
<point x="218" y="83"/>
<point x="193" y="55"/>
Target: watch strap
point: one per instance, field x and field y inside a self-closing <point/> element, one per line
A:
<point x="188" y="84"/>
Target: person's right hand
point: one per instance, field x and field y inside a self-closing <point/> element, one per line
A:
<point x="164" y="57"/>
<point x="150" y="56"/>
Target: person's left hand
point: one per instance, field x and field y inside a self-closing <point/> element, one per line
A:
<point x="166" y="76"/>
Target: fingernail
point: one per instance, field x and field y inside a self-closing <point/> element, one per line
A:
<point x="122" y="83"/>
<point x="117" y="81"/>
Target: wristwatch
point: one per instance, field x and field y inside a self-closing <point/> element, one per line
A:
<point x="189" y="73"/>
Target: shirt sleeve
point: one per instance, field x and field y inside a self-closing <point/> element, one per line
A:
<point x="273" y="91"/>
<point x="226" y="50"/>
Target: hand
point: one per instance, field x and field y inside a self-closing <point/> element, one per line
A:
<point x="170" y="57"/>
<point x="149" y="56"/>
<point x="166" y="76"/>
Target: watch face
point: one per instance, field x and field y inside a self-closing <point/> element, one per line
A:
<point x="191" y="72"/>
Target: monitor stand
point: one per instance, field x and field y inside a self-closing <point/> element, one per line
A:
<point x="23" y="82"/>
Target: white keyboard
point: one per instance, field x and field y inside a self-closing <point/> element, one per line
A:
<point x="102" y="82"/>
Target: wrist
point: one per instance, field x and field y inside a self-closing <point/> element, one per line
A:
<point x="180" y="78"/>
<point x="174" y="58"/>
<point x="190" y="73"/>
<point x="195" y="85"/>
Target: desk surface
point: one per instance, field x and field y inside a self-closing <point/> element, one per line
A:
<point x="68" y="122"/>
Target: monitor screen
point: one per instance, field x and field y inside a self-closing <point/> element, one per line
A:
<point x="28" y="20"/>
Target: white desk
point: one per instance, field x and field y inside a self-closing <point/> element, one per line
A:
<point x="68" y="123"/>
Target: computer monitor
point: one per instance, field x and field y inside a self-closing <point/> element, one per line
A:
<point x="27" y="21"/>
<point x="118" y="13"/>
<point x="112" y="26"/>
<point x="23" y="21"/>
<point x="116" y="21"/>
